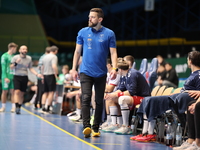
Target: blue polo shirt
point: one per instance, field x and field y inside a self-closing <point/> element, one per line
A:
<point x="96" y="47"/>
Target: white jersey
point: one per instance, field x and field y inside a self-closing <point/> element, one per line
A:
<point x="114" y="82"/>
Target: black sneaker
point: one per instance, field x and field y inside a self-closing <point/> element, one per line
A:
<point x="18" y="111"/>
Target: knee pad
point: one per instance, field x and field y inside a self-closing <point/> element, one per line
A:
<point x="124" y="101"/>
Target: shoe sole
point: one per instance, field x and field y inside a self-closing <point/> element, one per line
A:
<point x="44" y="112"/>
<point x="123" y="133"/>
<point x="74" y="119"/>
<point x="87" y="131"/>
<point x="134" y="138"/>
<point x="96" y="134"/>
<point x="108" y="131"/>
<point x="151" y="140"/>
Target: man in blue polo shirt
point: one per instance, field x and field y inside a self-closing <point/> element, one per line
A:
<point x="94" y="43"/>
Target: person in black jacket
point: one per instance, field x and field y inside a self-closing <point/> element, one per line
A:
<point x="171" y="77"/>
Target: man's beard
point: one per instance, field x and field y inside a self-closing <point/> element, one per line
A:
<point x="90" y="24"/>
<point x="23" y="53"/>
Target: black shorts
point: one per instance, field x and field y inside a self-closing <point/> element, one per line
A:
<point x="20" y="83"/>
<point x="49" y="83"/>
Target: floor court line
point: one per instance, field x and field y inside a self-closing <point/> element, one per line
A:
<point x="62" y="129"/>
<point x="106" y="144"/>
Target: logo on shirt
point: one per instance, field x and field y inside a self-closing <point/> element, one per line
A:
<point x="89" y="43"/>
<point x="129" y="74"/>
<point x="101" y="36"/>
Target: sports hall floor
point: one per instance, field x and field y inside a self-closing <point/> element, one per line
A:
<point x="34" y="131"/>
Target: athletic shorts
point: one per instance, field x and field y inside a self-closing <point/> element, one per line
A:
<point x="49" y="83"/>
<point x="7" y="86"/>
<point x="20" y="83"/>
<point x="137" y="100"/>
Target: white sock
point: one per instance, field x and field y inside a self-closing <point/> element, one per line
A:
<point x="3" y="105"/>
<point x="125" y="115"/>
<point x="119" y="120"/>
<point x="145" y="124"/>
<point x="113" y="114"/>
<point x="151" y="126"/>
<point x="78" y="111"/>
<point x="13" y="105"/>
<point x="108" y="119"/>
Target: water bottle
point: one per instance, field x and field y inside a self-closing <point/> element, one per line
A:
<point x="160" y="134"/>
<point x="178" y="135"/>
<point x="133" y="125"/>
<point x="169" y="135"/>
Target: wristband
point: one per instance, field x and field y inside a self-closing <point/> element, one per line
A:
<point x="120" y="94"/>
<point x="116" y="69"/>
<point x="15" y="64"/>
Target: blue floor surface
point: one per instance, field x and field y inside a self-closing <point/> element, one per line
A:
<point x="34" y="131"/>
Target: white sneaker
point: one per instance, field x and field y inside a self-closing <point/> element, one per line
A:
<point x="111" y="128"/>
<point x="104" y="125"/>
<point x="123" y="130"/>
<point x="71" y="114"/>
<point x="184" y="145"/>
<point x="75" y="117"/>
<point x="12" y="110"/>
<point x="2" y="109"/>
<point x="193" y="146"/>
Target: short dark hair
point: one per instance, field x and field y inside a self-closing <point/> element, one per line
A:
<point x="194" y="56"/>
<point x="53" y="48"/>
<point x="123" y="65"/>
<point x="99" y="12"/>
<point x="167" y="63"/>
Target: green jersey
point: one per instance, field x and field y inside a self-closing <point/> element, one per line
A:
<point x="61" y="79"/>
<point x="6" y="72"/>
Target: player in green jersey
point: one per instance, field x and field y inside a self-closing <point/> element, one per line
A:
<point x="7" y="76"/>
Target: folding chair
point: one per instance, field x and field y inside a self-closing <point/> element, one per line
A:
<point x="151" y="73"/>
<point x="161" y="90"/>
<point x="143" y="66"/>
<point x="168" y="91"/>
<point x="134" y="65"/>
<point x="155" y="90"/>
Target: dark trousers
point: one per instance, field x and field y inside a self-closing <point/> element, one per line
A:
<point x="194" y="122"/>
<point x="40" y="91"/>
<point x="87" y="83"/>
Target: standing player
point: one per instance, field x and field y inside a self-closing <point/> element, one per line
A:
<point x="7" y="76"/>
<point x="21" y="63"/>
<point x="50" y="72"/>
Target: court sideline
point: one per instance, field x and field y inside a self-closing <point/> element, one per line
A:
<point x="34" y="131"/>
